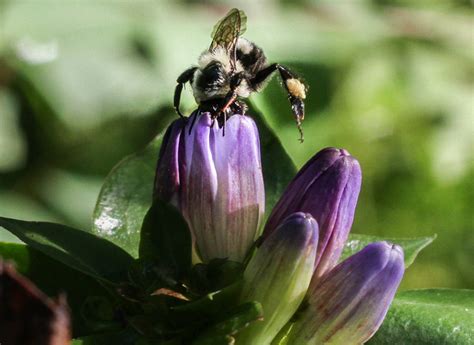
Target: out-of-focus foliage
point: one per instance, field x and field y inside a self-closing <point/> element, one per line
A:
<point x="83" y="84"/>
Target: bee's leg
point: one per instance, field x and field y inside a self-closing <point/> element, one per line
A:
<point x="239" y="107"/>
<point x="296" y="94"/>
<point x="225" y="121"/>
<point x="186" y="76"/>
<point x="224" y="106"/>
<point x="229" y="98"/>
<point x="295" y="88"/>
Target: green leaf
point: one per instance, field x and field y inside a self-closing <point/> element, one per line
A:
<point x="432" y="316"/>
<point x="209" y="305"/>
<point x="123" y="337"/>
<point x="216" y="275"/>
<point x="411" y="246"/>
<point x="166" y="239"/>
<point x="100" y="314"/>
<point x="125" y="198"/>
<point x="216" y="340"/>
<point x="278" y="167"/>
<point x="78" y="249"/>
<point x="234" y="321"/>
<point x="53" y="278"/>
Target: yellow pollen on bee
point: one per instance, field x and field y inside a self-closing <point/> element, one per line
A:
<point x="296" y="88"/>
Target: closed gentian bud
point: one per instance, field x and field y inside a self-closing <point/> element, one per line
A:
<point x="348" y="304"/>
<point x="278" y="276"/>
<point x="327" y="187"/>
<point x="217" y="180"/>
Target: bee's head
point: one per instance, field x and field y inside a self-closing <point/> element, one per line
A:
<point x="211" y="81"/>
<point x="218" y="54"/>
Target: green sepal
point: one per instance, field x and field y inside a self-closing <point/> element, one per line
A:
<point x="166" y="240"/>
<point x="232" y="322"/>
<point x="411" y="246"/>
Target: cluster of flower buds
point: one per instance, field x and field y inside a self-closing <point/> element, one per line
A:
<point x="217" y="183"/>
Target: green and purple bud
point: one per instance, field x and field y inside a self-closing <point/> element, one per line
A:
<point x="327" y="187"/>
<point x="348" y="304"/>
<point x="278" y="276"/>
<point x="216" y="181"/>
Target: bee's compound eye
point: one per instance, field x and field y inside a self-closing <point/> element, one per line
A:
<point x="214" y="71"/>
<point x="213" y="76"/>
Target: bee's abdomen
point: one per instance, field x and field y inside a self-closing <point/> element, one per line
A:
<point x="250" y="56"/>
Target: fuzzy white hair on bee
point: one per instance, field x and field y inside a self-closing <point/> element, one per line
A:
<point x="219" y="54"/>
<point x="233" y="68"/>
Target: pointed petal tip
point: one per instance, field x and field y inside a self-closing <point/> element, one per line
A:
<point x="335" y="152"/>
<point x="298" y="230"/>
<point x="378" y="256"/>
<point x="344" y="152"/>
<point x="386" y="248"/>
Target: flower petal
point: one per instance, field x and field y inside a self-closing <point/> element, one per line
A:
<point x="348" y="304"/>
<point x="167" y="178"/>
<point x="327" y="187"/>
<point x="278" y="276"/>
<point x="241" y="197"/>
<point x="216" y="180"/>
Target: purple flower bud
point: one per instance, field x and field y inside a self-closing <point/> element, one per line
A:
<point x="216" y="181"/>
<point x="278" y="276"/>
<point x="167" y="179"/>
<point x="327" y="187"/>
<point x="348" y="304"/>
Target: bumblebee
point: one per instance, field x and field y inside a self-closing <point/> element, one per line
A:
<point x="233" y="68"/>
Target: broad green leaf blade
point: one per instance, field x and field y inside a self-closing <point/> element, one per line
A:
<point x="78" y="249"/>
<point x="234" y="321"/>
<point x="125" y="198"/>
<point x="411" y="246"/>
<point x="166" y="239"/>
<point x="278" y="167"/>
<point x="432" y="316"/>
<point x="53" y="278"/>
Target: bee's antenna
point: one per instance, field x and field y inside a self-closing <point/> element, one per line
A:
<point x="225" y="121"/>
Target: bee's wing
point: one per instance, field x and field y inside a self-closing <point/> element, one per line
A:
<point x="227" y="31"/>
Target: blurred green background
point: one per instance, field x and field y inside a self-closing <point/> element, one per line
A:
<point x="84" y="83"/>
